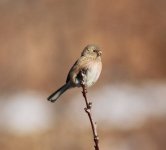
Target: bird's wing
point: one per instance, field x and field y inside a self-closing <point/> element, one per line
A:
<point x="80" y="64"/>
<point x="68" y="76"/>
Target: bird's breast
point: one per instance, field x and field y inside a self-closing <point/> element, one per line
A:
<point x="93" y="72"/>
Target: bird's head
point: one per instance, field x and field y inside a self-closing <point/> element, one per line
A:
<point x="91" y="50"/>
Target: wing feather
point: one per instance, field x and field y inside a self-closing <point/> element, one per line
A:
<point x="80" y="64"/>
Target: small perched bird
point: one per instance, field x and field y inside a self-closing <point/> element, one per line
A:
<point x="89" y="64"/>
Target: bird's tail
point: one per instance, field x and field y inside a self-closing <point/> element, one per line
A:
<point x="54" y="96"/>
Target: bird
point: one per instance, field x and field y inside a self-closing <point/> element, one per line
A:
<point x="86" y="70"/>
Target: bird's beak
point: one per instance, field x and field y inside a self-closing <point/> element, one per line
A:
<point x="99" y="53"/>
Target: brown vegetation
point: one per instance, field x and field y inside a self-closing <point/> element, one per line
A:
<point x="35" y="34"/>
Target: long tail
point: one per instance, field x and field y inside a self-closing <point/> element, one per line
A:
<point x="54" y="96"/>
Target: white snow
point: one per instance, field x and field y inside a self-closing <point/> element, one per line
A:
<point x="25" y="113"/>
<point x="124" y="106"/>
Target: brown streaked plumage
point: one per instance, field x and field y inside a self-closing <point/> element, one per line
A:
<point x="90" y="63"/>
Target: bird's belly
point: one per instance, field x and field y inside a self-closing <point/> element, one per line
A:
<point x="93" y="74"/>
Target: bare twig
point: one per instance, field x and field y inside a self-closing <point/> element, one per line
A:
<point x="88" y="111"/>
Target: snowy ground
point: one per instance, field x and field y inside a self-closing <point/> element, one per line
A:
<point x="125" y="105"/>
<point x="121" y="106"/>
<point x="25" y="112"/>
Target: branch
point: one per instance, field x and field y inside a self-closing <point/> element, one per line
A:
<point x="88" y="111"/>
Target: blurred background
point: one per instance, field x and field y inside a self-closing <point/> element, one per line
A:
<point x="39" y="42"/>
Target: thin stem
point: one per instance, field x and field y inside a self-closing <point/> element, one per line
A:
<point x="88" y="111"/>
